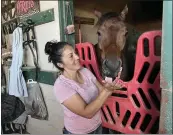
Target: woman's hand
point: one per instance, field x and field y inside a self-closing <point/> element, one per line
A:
<point x="111" y="85"/>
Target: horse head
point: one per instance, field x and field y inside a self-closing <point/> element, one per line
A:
<point x="112" y="33"/>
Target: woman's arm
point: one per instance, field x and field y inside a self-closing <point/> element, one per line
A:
<point x="99" y="86"/>
<point x="78" y="106"/>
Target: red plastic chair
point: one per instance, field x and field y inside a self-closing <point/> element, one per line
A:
<point x="135" y="110"/>
<point x="88" y="58"/>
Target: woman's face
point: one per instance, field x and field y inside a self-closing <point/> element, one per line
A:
<point x="70" y="59"/>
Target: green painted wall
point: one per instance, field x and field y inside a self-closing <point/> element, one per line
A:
<point x="166" y="70"/>
<point x="166" y="59"/>
<point x="46" y="77"/>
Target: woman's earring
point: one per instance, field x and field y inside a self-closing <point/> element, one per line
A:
<point x="60" y="65"/>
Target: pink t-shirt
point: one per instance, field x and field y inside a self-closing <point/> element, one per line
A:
<point x="64" y="88"/>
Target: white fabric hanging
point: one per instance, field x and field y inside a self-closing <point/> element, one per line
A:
<point x="17" y="84"/>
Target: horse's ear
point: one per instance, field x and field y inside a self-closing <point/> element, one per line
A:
<point x="124" y="13"/>
<point x="97" y="13"/>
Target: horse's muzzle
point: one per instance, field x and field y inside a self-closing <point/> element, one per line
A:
<point x="111" y="68"/>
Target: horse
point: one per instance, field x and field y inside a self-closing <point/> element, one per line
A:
<point x="115" y="47"/>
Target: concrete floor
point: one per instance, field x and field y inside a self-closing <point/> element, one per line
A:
<point x="55" y="122"/>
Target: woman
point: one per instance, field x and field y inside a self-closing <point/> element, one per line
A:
<point x="78" y="90"/>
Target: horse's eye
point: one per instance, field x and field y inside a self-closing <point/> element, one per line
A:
<point x="126" y="34"/>
<point x="98" y="33"/>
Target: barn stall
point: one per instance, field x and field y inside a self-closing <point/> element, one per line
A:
<point x="142" y="17"/>
<point x="138" y="111"/>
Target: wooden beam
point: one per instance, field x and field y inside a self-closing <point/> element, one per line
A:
<point x="41" y="17"/>
<point x="83" y="20"/>
<point x="38" y="18"/>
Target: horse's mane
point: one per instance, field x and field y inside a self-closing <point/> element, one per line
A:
<point x="106" y="17"/>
